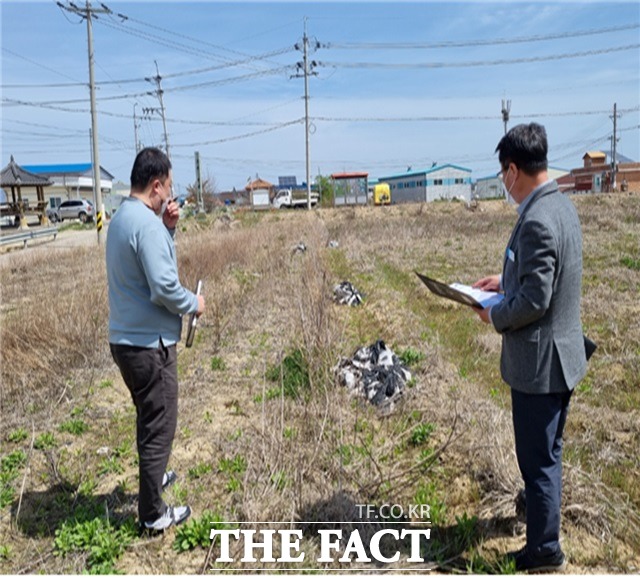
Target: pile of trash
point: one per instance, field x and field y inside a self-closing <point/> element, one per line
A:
<point x="375" y="373"/>
<point x="346" y="293"/>
<point x="299" y="248"/>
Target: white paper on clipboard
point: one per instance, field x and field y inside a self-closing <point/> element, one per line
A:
<point x="193" y="319"/>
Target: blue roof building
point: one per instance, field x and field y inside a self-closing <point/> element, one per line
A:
<point x="436" y="183"/>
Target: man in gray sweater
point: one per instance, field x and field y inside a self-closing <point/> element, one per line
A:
<point x="543" y="349"/>
<point x="146" y="304"/>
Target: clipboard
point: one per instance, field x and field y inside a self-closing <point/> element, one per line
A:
<point x="444" y="290"/>
<point x="193" y="320"/>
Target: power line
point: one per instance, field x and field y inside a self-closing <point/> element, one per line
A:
<point x="478" y="63"/>
<point x="486" y="42"/>
<point x="439" y="118"/>
<point x="33" y="62"/>
<point x="244" y="136"/>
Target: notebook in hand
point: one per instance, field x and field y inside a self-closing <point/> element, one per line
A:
<point x="463" y="294"/>
<point x="193" y="320"/>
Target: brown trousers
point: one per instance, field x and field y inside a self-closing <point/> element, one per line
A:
<point x="151" y="374"/>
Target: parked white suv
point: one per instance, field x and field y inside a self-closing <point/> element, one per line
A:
<point x="72" y="209"/>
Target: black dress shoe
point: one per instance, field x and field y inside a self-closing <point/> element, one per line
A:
<point x="525" y="562"/>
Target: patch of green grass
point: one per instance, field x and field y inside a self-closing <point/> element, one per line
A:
<point x="76" y="227"/>
<point x="466" y="533"/>
<point x="13" y="461"/>
<point x="199" y="470"/>
<point x="231" y="465"/>
<point x="110" y="465"/>
<point x="7" y="494"/>
<point x="292" y="373"/>
<point x="74" y="426"/>
<point x="179" y="493"/>
<point x="18" y="436"/>
<point x="45" y="441"/>
<point x="631" y="263"/>
<point x="428" y="494"/>
<point x="280" y="480"/>
<point x="234" y="484"/>
<point x="99" y="538"/>
<point x="411" y="357"/>
<point x="197" y="532"/>
<point x="421" y="434"/>
<point x="5" y="552"/>
<point x="217" y="364"/>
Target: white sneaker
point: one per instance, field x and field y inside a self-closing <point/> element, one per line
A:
<point x="168" y="479"/>
<point x="173" y="516"/>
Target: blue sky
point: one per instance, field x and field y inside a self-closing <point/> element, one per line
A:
<point x="395" y="84"/>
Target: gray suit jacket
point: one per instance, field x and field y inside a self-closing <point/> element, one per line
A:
<point x="542" y="342"/>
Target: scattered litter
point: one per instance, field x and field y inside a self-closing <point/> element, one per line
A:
<point x="346" y="293"/>
<point x="375" y="373"/>
<point x="103" y="451"/>
<point x="333" y="244"/>
<point x="300" y="248"/>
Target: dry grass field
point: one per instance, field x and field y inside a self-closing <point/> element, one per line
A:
<point x="265" y="431"/>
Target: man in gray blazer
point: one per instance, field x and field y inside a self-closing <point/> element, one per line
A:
<point x="543" y="353"/>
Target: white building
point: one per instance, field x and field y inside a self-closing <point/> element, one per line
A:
<point x="71" y="181"/>
<point x="437" y="183"/>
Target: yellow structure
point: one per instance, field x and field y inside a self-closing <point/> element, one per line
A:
<point x="381" y="194"/>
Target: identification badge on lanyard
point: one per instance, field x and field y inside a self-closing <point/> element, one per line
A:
<point x="510" y="255"/>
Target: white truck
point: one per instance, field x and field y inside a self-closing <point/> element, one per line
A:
<point x="285" y="198"/>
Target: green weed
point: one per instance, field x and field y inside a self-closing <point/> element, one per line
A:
<point x="466" y="533"/>
<point x="197" y="532"/>
<point x="103" y="542"/>
<point x="199" y="470"/>
<point x="45" y="441"/>
<point x="421" y="433"/>
<point x="18" y="436"/>
<point x="427" y="494"/>
<point x="236" y="464"/>
<point x="12" y="462"/>
<point x="279" y="480"/>
<point x="292" y="373"/>
<point x="411" y="357"/>
<point x="234" y="484"/>
<point x="110" y="465"/>
<point x="217" y="364"/>
<point x="5" y="552"/>
<point x="74" y="426"/>
<point x="631" y="263"/>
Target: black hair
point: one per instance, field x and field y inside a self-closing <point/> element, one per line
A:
<point x="150" y="164"/>
<point x="526" y="147"/>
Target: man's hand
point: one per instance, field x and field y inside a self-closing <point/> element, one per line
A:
<point x="171" y="215"/>
<point x="488" y="284"/>
<point x="200" y="305"/>
<point x="483" y="313"/>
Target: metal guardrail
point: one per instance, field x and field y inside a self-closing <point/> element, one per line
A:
<point x="26" y="236"/>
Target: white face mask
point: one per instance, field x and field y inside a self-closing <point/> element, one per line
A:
<point x="507" y="190"/>
<point x="165" y="204"/>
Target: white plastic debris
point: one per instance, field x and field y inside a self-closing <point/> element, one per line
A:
<point x="375" y="373"/>
<point x="346" y="293"/>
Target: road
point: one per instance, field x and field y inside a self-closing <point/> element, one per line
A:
<point x="65" y="241"/>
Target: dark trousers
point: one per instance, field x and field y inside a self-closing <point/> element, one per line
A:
<point x="151" y="374"/>
<point x="538" y="422"/>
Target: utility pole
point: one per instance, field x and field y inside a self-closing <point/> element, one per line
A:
<point x="199" y="204"/>
<point x="157" y="79"/>
<point x="506" y="108"/>
<point x="135" y="129"/>
<point x="306" y="72"/>
<point x="614" y="140"/>
<point x="88" y="13"/>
